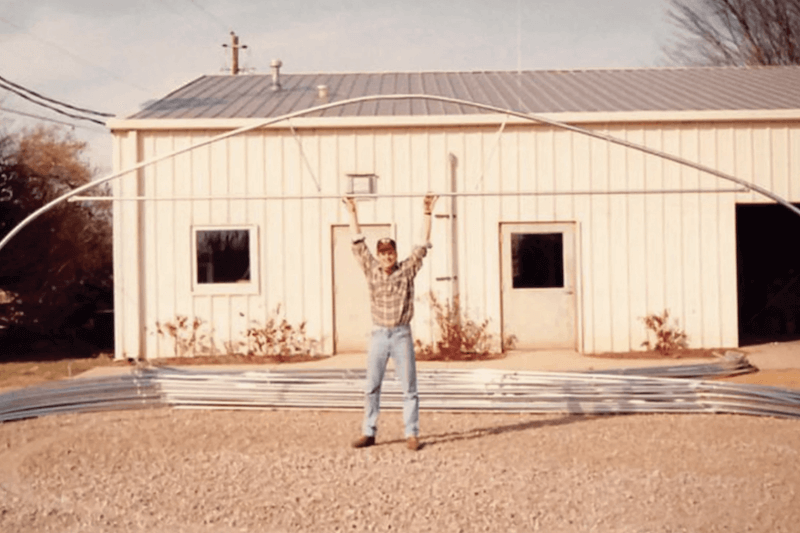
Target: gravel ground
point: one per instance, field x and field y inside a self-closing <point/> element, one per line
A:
<point x="224" y="471"/>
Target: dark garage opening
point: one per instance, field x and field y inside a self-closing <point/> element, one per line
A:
<point x="768" y="257"/>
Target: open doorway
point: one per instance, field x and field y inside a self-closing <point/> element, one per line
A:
<point x="768" y="261"/>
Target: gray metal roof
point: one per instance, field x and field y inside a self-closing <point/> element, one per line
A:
<point x="668" y="89"/>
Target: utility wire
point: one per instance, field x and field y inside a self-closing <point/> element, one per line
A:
<point x="48" y="106"/>
<point x="73" y="56"/>
<point x="40" y="117"/>
<point x="211" y="15"/>
<point x="181" y="14"/>
<point x="62" y="104"/>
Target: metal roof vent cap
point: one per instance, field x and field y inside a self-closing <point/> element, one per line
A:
<point x="275" y="67"/>
<point x="322" y="93"/>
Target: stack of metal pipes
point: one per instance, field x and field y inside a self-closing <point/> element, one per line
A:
<point x="619" y="391"/>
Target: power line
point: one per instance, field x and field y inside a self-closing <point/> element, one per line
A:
<point x="48" y="106"/>
<point x="181" y="14"/>
<point x="40" y="117"/>
<point x="62" y="104"/>
<point x="75" y="57"/>
<point x="211" y="15"/>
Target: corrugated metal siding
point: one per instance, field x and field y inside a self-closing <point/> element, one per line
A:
<point x="638" y="254"/>
<point x="682" y="89"/>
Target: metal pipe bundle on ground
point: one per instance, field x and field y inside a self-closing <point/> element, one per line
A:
<point x="456" y="390"/>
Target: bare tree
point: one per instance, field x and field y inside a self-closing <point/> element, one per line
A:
<point x="735" y="32"/>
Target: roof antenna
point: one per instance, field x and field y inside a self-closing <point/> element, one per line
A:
<point x="235" y="46"/>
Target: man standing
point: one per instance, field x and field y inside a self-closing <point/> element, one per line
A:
<point x="391" y="291"/>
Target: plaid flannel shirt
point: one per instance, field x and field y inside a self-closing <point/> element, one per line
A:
<point x="391" y="295"/>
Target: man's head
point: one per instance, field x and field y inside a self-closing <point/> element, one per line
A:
<point x="387" y="253"/>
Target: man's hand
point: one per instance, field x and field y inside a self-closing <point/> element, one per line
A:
<point x="350" y="204"/>
<point x="429" y="202"/>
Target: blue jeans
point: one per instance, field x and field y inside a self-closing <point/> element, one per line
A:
<point x="398" y="344"/>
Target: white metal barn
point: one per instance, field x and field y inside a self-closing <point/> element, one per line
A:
<point x="563" y="240"/>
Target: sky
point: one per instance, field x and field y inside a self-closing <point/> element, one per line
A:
<point x="113" y="56"/>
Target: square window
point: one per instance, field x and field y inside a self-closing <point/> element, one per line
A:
<point x="362" y="184"/>
<point x="225" y="259"/>
<point x="537" y="260"/>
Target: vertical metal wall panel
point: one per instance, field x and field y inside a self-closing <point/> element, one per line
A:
<point x="182" y="233"/>
<point x="582" y="181"/>
<point x="473" y="225"/>
<point x="710" y="275"/>
<point x="309" y="262"/>
<point x="255" y="310"/>
<point x="778" y="151"/>
<point x="563" y="175"/>
<point x="621" y="250"/>
<point x="333" y="182"/>
<point x="220" y="320"/>
<point x="151" y="253"/>
<point x="639" y="221"/>
<point x="489" y="260"/>
<point x="726" y="242"/>
<point x="127" y="256"/>
<point x="164" y="275"/>
<point x="690" y="217"/>
<point x="656" y="253"/>
<point x="598" y="229"/>
<point x="545" y="174"/>
<point x="510" y="176"/>
<point x="745" y="163"/>
<point x="117" y="251"/>
<point x="273" y="269"/>
<point x="296" y="235"/>
<point x="794" y="163"/>
<point x="673" y="230"/>
<point x="764" y="156"/>
<point x="436" y="262"/>
<point x="237" y="180"/>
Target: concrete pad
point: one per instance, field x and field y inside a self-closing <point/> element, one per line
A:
<point x="774" y="356"/>
<point x="540" y="361"/>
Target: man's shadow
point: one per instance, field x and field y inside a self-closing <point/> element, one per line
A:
<point x="479" y="433"/>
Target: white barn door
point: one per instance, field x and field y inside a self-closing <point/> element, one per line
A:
<point x="352" y="320"/>
<point x="538" y="285"/>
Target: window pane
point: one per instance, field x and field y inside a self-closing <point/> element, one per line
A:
<point x="223" y="256"/>
<point x="537" y="260"/>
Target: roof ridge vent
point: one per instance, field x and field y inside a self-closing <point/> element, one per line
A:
<point x="275" y="67"/>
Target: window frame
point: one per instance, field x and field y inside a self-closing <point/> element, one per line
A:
<point x="355" y="179"/>
<point x="250" y="287"/>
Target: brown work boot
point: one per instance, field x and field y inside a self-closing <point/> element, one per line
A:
<point x="412" y="443"/>
<point x="364" y="441"/>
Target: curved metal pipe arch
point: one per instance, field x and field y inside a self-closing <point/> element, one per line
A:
<point x="525" y="116"/>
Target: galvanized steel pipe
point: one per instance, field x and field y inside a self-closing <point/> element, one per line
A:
<point x="450" y="390"/>
<point x="506" y="112"/>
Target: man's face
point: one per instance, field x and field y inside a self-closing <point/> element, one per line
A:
<point x="387" y="257"/>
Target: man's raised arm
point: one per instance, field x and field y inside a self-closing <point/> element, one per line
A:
<point x="428" y="204"/>
<point x="352" y="208"/>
